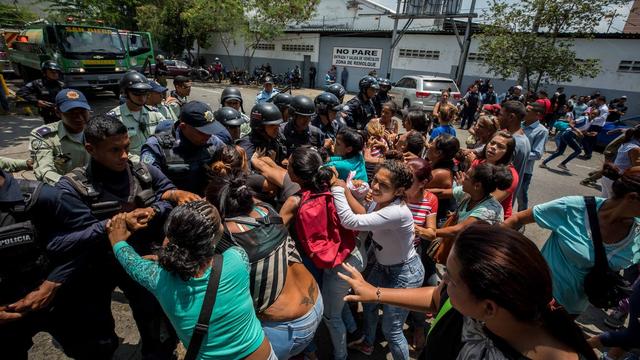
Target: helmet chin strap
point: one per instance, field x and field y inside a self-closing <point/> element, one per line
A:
<point x="130" y="99"/>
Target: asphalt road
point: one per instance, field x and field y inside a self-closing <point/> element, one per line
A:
<point x="546" y="185"/>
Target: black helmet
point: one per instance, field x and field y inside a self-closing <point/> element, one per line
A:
<point x="268" y="79"/>
<point x="281" y="100"/>
<point x="302" y="105"/>
<point x="368" y="82"/>
<point x="265" y="114"/>
<point x="230" y="93"/>
<point x="326" y="101"/>
<point x="228" y="116"/>
<point x="384" y="84"/>
<point x="50" y="65"/>
<point x="337" y="90"/>
<point x="133" y="80"/>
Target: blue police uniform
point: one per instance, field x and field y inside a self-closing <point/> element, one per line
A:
<point x="67" y="237"/>
<point x="180" y="160"/>
<point x="330" y="130"/>
<point x="310" y="136"/>
<point x="263" y="96"/>
<point x="99" y="193"/>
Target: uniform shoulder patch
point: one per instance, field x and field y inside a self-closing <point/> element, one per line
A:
<point x="148" y="158"/>
<point x="44" y="131"/>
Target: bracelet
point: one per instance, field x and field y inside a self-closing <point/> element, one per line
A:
<point x="378" y="294"/>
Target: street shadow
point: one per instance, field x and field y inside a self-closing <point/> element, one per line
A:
<point x="14" y="130"/>
<point x="559" y="172"/>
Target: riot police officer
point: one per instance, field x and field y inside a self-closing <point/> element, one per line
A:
<point x="267" y="91"/>
<point x="326" y="119"/>
<point x="265" y="125"/>
<point x="184" y="152"/>
<point x="298" y="130"/>
<point x="338" y="90"/>
<point x="282" y="101"/>
<point x="383" y="95"/>
<point x="42" y="92"/>
<point x="361" y="108"/>
<point x="232" y="97"/>
<point x="43" y="282"/>
<point x="140" y="121"/>
<point x="58" y="147"/>
<point x="112" y="184"/>
<point x="231" y="119"/>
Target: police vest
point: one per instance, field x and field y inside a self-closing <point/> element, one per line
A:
<point x="23" y="261"/>
<point x="103" y="203"/>
<point x="187" y="170"/>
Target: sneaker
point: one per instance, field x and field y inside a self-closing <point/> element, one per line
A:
<point x="616" y="319"/>
<point x="587" y="182"/>
<point x="355" y="337"/>
<point x="362" y="347"/>
<point x="563" y="167"/>
<point x="543" y="166"/>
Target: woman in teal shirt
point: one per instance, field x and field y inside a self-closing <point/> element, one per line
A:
<point x="569" y="249"/>
<point x="348" y="151"/>
<point x="179" y="281"/>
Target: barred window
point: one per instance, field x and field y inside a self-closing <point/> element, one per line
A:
<point x="476" y="57"/>
<point x="420" y="54"/>
<point x="297" y="47"/>
<point x="270" y="47"/>
<point x="629" y="66"/>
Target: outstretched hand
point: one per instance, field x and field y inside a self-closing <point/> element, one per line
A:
<point x="362" y="290"/>
<point x="117" y="229"/>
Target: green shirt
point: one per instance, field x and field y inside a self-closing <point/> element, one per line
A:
<point x="55" y="152"/>
<point x="168" y="112"/>
<point x="234" y="329"/>
<point x="139" y="126"/>
<point x="344" y="166"/>
<point x="13" y="165"/>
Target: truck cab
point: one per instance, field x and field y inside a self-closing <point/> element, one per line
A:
<point x="92" y="57"/>
<point x="139" y="49"/>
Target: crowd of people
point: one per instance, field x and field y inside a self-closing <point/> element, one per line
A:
<point x="238" y="234"/>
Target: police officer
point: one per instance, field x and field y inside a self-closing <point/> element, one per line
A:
<point x="184" y="152"/>
<point x="14" y="165"/>
<point x="327" y="108"/>
<point x="231" y="119"/>
<point x="337" y="90"/>
<point x="232" y="97"/>
<point x="265" y="133"/>
<point x="361" y="108"/>
<point x="156" y="102"/>
<point x="282" y="101"/>
<point x="298" y="130"/>
<point x="180" y="95"/>
<point x="58" y="147"/>
<point x="140" y="122"/>
<point x="267" y="91"/>
<point x="383" y="95"/>
<point x="42" y="92"/>
<point x="43" y="282"/>
<point x="112" y="184"/>
<point x="160" y="75"/>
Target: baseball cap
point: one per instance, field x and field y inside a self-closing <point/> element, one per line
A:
<point x="68" y="99"/>
<point x="200" y="116"/>
<point x="157" y="88"/>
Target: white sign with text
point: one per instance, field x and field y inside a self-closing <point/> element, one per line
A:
<point x="357" y="57"/>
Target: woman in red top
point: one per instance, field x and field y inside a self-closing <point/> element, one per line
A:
<point x="424" y="207"/>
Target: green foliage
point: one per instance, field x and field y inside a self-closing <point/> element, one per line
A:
<point x="12" y="15"/>
<point x="120" y="14"/>
<point x="524" y="38"/>
<point x="166" y="24"/>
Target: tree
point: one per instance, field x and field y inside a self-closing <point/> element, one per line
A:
<point x="528" y="39"/>
<point x="120" y="14"/>
<point x="165" y="21"/>
<point x="14" y="15"/>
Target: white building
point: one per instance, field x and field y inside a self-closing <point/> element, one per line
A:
<point x="358" y="26"/>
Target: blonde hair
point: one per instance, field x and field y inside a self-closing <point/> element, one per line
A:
<point x="375" y="128"/>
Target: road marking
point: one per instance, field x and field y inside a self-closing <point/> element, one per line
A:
<point x="208" y="90"/>
<point x="586" y="167"/>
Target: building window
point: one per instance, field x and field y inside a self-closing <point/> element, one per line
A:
<point x="629" y="66"/>
<point x="420" y="54"/>
<point x="270" y="47"/>
<point x="476" y="57"/>
<point x="297" y="47"/>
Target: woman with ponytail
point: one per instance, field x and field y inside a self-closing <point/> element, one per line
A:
<point x="306" y="168"/>
<point x="569" y="249"/>
<point x="180" y="277"/>
<point x="493" y="303"/>
<point x="397" y="265"/>
<point x="285" y="295"/>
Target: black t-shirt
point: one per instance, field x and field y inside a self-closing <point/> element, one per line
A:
<point x="615" y="116"/>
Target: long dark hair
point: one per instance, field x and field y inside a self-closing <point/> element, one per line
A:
<point x="623" y="183"/>
<point x="193" y="230"/>
<point x="492" y="177"/>
<point x="504" y="266"/>
<point x="353" y="139"/>
<point x="306" y="163"/>
<point x="511" y="148"/>
<point x="230" y="194"/>
<point x="450" y="147"/>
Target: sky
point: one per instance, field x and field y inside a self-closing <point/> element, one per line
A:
<point x="616" y="26"/>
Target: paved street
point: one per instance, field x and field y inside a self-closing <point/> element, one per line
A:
<point x="546" y="185"/>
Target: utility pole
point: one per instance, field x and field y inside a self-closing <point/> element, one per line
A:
<point x="393" y="42"/>
<point x="462" y="62"/>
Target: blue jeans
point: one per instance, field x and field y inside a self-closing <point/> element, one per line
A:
<point x="289" y="338"/>
<point x="523" y="195"/>
<point x="409" y="274"/>
<point x="334" y="290"/>
<point x="568" y="138"/>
